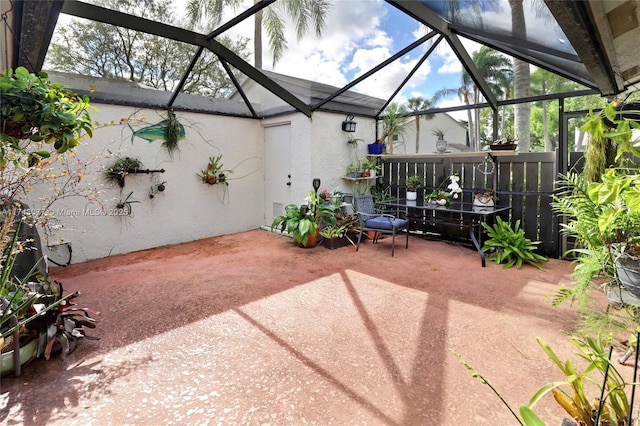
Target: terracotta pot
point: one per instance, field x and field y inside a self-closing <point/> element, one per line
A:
<point x="312" y="239"/>
<point x="372" y="235"/>
<point x="211" y="179"/>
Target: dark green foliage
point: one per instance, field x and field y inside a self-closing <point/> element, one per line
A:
<point x="172" y="133"/>
<point x="509" y="245"/>
<point x="120" y="168"/>
<point x="35" y="109"/>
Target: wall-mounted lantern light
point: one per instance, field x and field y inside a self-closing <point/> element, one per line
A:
<point x="349" y="125"/>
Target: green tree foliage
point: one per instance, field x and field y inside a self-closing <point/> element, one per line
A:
<point x="102" y="50"/>
<point x="304" y="14"/>
<point x="544" y="114"/>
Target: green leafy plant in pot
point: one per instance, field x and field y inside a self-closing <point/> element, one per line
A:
<point x="617" y="197"/>
<point x="303" y="222"/>
<point x="601" y="206"/>
<point x="414" y="182"/>
<point x="36" y="319"/>
<point x="395" y="121"/>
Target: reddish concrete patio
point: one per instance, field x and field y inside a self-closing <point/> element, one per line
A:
<point x="249" y="329"/>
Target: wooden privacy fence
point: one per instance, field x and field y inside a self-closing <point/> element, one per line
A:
<point x="525" y="181"/>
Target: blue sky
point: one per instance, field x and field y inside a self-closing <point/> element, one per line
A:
<point x="359" y="37"/>
<point x="359" y="34"/>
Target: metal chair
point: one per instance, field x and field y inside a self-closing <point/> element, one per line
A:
<point x="371" y="220"/>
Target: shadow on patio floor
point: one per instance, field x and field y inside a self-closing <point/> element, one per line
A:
<point x="250" y="329"/>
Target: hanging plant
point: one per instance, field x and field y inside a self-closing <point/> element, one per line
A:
<point x="124" y="206"/>
<point x="169" y="130"/>
<point x="214" y="174"/>
<point x="173" y="132"/>
<point x="120" y="168"/>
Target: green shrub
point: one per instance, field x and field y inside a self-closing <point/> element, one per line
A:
<point x="509" y="245"/>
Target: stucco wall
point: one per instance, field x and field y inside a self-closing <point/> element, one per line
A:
<point x="330" y="151"/>
<point x="455" y="134"/>
<point x="187" y="210"/>
<point x="319" y="149"/>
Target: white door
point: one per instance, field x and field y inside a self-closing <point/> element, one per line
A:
<point x="277" y="170"/>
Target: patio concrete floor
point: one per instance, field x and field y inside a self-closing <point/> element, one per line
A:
<point x="250" y="329"/>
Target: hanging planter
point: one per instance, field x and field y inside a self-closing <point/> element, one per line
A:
<point x="120" y="168"/>
<point x="214" y="174"/>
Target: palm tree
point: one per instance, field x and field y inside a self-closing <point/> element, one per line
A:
<point x="418" y="104"/>
<point x="304" y="13"/>
<point x="522" y="79"/>
<point x="542" y="83"/>
<point x="395" y="119"/>
<point x="497" y="72"/>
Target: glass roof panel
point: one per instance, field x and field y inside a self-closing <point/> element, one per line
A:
<point x="538" y="37"/>
<point x="394" y="51"/>
<point x="159" y="11"/>
<point x="495" y="17"/>
<point x="95" y="49"/>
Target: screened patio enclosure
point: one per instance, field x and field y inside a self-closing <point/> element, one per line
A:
<point x="591" y="43"/>
<point x="371" y="53"/>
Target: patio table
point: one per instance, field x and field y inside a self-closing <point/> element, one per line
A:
<point x="465" y="215"/>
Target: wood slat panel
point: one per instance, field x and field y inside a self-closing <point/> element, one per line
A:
<point x="524" y="181"/>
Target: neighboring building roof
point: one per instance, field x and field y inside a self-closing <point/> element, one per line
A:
<point x="124" y="92"/>
<point x="311" y="93"/>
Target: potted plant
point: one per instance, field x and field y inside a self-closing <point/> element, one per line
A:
<point x="508" y="142"/>
<point x="303" y="222"/>
<point x="37" y="118"/>
<point x="439" y="197"/>
<point x="413" y="183"/>
<point x="36" y="319"/>
<point x="369" y="167"/>
<point x="484" y="199"/>
<point x="395" y="121"/>
<point x="341" y="233"/>
<point x="601" y="205"/>
<point x="618" y="200"/>
<point x="441" y="142"/>
<point x="442" y="197"/>
<point x="353" y="170"/>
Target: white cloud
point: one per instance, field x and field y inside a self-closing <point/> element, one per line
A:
<point x="353" y="42"/>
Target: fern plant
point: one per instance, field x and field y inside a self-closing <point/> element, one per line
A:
<point x="510" y="246"/>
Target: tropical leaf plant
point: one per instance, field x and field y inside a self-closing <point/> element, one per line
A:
<point x="510" y="246"/>
<point x="34" y="109"/>
<point x="592" y="396"/>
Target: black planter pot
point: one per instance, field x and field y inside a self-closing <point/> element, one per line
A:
<point x="628" y="269"/>
<point x="335" y="243"/>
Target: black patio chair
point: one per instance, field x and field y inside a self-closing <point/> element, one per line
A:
<point x="380" y="223"/>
